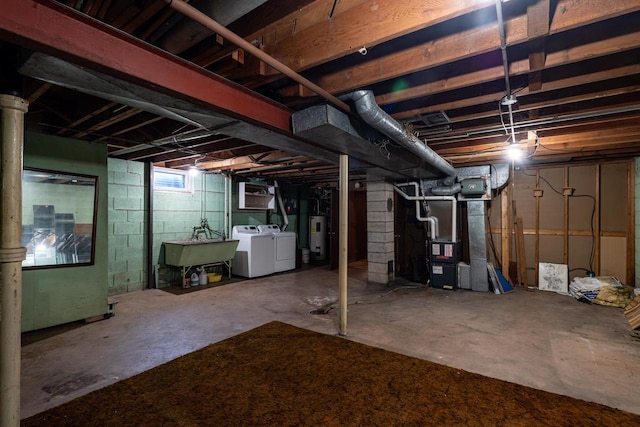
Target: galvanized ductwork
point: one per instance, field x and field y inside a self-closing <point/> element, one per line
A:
<point x="377" y="118"/>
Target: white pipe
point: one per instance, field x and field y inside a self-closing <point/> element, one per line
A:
<point x="11" y="256"/>
<point x="343" y="241"/>
<point x="433" y="228"/>
<point x="203" y="199"/>
<point x="227" y="206"/>
<point x="285" y="217"/>
<point x="417" y="199"/>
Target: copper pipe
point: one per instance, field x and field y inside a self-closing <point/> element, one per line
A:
<point x="221" y="30"/>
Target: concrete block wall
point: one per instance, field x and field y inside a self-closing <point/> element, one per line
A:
<point x="126" y="226"/>
<point x="175" y="214"/>
<point x="380" y="228"/>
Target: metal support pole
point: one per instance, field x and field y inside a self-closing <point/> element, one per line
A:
<point x="11" y="256"/>
<point x="343" y="240"/>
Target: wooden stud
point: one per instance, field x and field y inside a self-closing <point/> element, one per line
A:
<point x="631" y="225"/>
<point x="522" y="259"/>
<point x="537" y="244"/>
<point x="566" y="216"/>
<point x="505" y="232"/>
<point x="596" y="225"/>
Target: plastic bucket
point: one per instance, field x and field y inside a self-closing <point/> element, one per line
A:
<point x="214" y="277"/>
<point x="305" y="255"/>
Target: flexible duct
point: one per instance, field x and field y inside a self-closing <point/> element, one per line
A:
<point x="447" y="191"/>
<point x="377" y="118"/>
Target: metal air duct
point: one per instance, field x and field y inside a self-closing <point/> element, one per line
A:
<point x="377" y="118"/>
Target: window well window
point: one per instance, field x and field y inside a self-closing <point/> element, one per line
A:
<point x="172" y="180"/>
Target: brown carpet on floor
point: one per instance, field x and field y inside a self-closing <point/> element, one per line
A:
<point x="281" y="375"/>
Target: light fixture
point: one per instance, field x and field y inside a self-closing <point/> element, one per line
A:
<point x="514" y="152"/>
<point x="509" y="100"/>
<point x="193" y="170"/>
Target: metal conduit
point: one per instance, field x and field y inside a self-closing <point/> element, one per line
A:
<point x="503" y="45"/>
<point x="217" y="28"/>
<point x="509" y="100"/>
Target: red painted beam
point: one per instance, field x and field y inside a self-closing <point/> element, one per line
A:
<point x="52" y="28"/>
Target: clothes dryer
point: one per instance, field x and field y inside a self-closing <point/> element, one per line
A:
<point x="254" y="255"/>
<point x="284" y="247"/>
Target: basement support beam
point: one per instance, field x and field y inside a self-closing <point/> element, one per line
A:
<point x="11" y="256"/>
<point x="54" y="29"/>
<point x="343" y="242"/>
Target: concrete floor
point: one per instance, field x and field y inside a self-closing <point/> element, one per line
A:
<point x="535" y="338"/>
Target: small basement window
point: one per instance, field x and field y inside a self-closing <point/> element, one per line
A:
<point x="172" y="180"/>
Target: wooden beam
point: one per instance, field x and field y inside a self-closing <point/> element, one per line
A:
<point x="38" y="92"/>
<point x="304" y="45"/>
<point x="145" y="15"/>
<point x="565" y="251"/>
<point x="572" y="232"/>
<point x="520" y="253"/>
<point x="631" y="224"/>
<point x="473" y="43"/>
<point x="596" y="221"/>
<point x="223" y="164"/>
<point x="505" y="232"/>
<point x="131" y="128"/>
<point x="217" y="149"/>
<point x="537" y="29"/>
<point x="537" y="242"/>
<point x="489" y="98"/>
<point x="103" y="9"/>
<point x="129" y="112"/>
<point x="86" y="117"/>
<point x="55" y="29"/>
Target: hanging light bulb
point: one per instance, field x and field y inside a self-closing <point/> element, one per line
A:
<point x="193" y="170"/>
<point x="514" y="152"/>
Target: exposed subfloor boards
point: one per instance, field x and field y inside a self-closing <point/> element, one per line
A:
<point x="539" y="339"/>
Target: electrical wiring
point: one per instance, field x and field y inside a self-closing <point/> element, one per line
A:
<point x="382" y="148"/>
<point x="593" y="213"/>
<point x="504" y="126"/>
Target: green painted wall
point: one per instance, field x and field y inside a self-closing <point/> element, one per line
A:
<point x="127" y="231"/>
<point x="296" y="199"/>
<point x="55" y="296"/>
<point x="176" y="213"/>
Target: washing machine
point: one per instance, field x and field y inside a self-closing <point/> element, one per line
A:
<point x="254" y="255"/>
<point x="284" y="247"/>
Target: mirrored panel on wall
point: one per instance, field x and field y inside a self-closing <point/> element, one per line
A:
<point x="58" y="218"/>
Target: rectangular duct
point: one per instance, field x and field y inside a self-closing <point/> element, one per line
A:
<point x="335" y="130"/>
<point x="477" y="245"/>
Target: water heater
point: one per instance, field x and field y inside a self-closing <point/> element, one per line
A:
<point x="318" y="237"/>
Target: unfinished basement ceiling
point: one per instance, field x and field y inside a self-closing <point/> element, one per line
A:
<point x="437" y="67"/>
